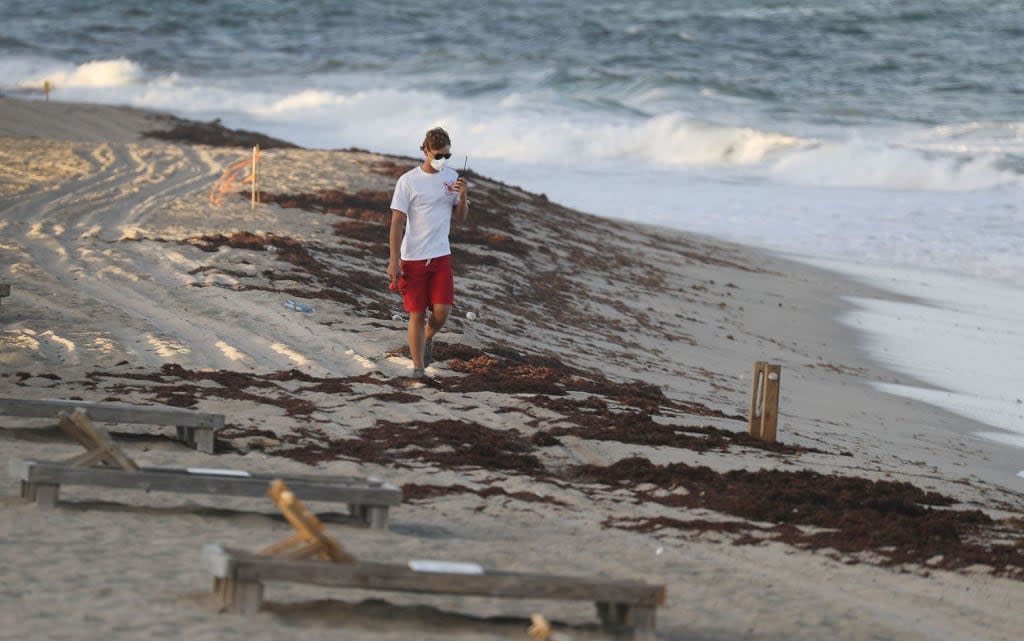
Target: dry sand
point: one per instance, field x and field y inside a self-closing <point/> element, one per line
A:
<point x="128" y="284"/>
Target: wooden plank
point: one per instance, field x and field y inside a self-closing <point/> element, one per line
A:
<point x="248" y="567"/>
<point x="622" y="605"/>
<point x="112" y="413"/>
<point x="322" y="488"/>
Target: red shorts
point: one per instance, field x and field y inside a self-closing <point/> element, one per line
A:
<point x="425" y="283"/>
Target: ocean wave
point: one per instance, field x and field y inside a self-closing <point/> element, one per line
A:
<point x="541" y="127"/>
<point x="971" y="138"/>
<point x="674" y="140"/>
<point x="859" y="163"/>
<point x="94" y="74"/>
<point x="8" y="42"/>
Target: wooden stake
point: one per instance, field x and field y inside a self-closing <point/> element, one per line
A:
<point x="309" y="538"/>
<point x="540" y="630"/>
<point x="764" y="401"/>
<point x="255" y="175"/>
<point x="100" y="448"/>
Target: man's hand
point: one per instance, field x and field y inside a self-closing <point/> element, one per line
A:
<point x="394" y="271"/>
<point x="461" y="187"/>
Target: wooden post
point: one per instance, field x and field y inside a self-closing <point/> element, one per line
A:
<point x="643" y="619"/>
<point x="202" y="439"/>
<point x="46" y="89"/>
<point x="376" y="516"/>
<point x="764" y="401"/>
<point x="44" y="495"/>
<point x="248" y="596"/>
<point x="238" y="597"/>
<point x="255" y="175"/>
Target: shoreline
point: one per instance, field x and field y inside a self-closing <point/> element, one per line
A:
<point x="586" y="354"/>
<point x="954" y="306"/>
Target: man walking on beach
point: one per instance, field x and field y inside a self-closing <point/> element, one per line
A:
<point x="425" y="200"/>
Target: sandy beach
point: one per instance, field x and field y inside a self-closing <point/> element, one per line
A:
<point x="591" y="419"/>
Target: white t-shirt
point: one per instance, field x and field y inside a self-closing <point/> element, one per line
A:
<point x="427" y="201"/>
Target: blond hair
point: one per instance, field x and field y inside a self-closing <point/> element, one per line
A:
<point x="436" y="138"/>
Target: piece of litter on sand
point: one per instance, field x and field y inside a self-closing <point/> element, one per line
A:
<point x="299" y="307"/>
<point x="659" y="550"/>
<point x="397" y="317"/>
<point x="446" y="567"/>
<point x="212" y="471"/>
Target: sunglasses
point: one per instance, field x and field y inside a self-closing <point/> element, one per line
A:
<point x="445" y="156"/>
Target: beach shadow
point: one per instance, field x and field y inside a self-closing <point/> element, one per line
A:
<point x="86" y="505"/>
<point x="41" y="434"/>
<point x="422" y="530"/>
<point x="194" y="509"/>
<point x="378" y="615"/>
<point x="52" y="433"/>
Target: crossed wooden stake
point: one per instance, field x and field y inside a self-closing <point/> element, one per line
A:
<point x="100" y="449"/>
<point x="309" y="540"/>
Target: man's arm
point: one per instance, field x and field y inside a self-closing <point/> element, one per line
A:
<point x="461" y="209"/>
<point x="395" y="245"/>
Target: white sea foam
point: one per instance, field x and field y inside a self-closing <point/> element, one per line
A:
<point x="94" y="75"/>
<point x="858" y="163"/>
<point x="309" y="99"/>
<point x="969" y="138"/>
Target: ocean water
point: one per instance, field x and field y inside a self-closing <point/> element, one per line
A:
<point x="863" y="134"/>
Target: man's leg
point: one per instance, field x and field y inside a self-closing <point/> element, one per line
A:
<point x="416" y="300"/>
<point x="416" y="338"/>
<point x="441" y="288"/>
<point x="438" y="316"/>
